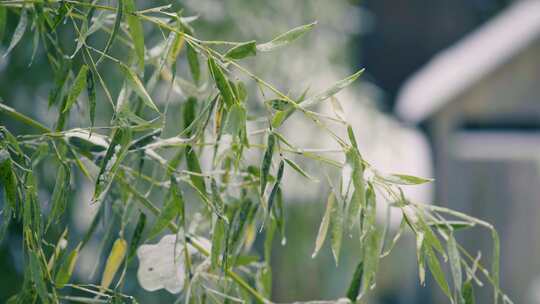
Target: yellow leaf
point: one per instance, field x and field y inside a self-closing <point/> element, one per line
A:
<point x="114" y="261"/>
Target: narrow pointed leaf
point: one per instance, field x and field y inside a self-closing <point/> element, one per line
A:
<point x="267" y="161"/>
<point x="137" y="235"/>
<point x="285" y="38"/>
<point x="221" y="81"/>
<point x="406" y="180"/>
<point x="194" y="65"/>
<point x="19" y="31"/>
<point x="194" y="166"/>
<point x="338" y="86"/>
<point x="242" y="50"/>
<point x="79" y="84"/>
<point x="135" y="31"/>
<point x="298" y="169"/>
<point x="118" y="252"/>
<point x="356" y="282"/>
<point x="325" y="223"/>
<point x="66" y="269"/>
<point x="137" y="86"/>
<point x="172" y="208"/>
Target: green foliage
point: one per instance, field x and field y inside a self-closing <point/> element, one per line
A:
<point x="191" y="174"/>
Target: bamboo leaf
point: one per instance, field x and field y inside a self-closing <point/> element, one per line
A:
<point x="172" y="208"/>
<point x="279" y="104"/>
<point x="116" y="27"/>
<point x="334" y="89"/>
<point x="193" y="165"/>
<point x="371" y="258"/>
<point x="236" y="119"/>
<point x="118" y="252"/>
<point x="137" y="86"/>
<point x="221" y="81"/>
<point x="79" y="84"/>
<point x="436" y="270"/>
<point x="113" y="158"/>
<point x="468" y="293"/>
<point x="19" y="31"/>
<point x="193" y="62"/>
<point x="218" y="237"/>
<point x="275" y="188"/>
<point x="135" y="31"/>
<point x="137" y="236"/>
<point x="267" y="161"/>
<point x="337" y="224"/>
<point x="402" y="179"/>
<point x="91" y="92"/>
<point x="298" y="169"/>
<point x="66" y="269"/>
<point x="285" y="38"/>
<point x="455" y="263"/>
<point x="3" y="21"/>
<point x="325" y="223"/>
<point x="354" y="286"/>
<point x="242" y="50"/>
<point x="36" y="269"/>
<point x="7" y="179"/>
<point x="60" y="193"/>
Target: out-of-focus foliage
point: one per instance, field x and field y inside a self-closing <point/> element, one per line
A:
<point x="182" y="140"/>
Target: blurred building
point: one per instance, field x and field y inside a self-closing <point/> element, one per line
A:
<point x="478" y="102"/>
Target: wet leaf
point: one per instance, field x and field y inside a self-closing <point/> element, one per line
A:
<point x="242" y="50"/>
<point x="116" y="27"/>
<point x="137" y="235"/>
<point x="118" y="252"/>
<point x="135" y="31"/>
<point x="19" y="31"/>
<point x="325" y="223"/>
<point x="285" y="38"/>
<point x="402" y="179"/>
<point x="354" y="286"/>
<point x="137" y="86"/>
<point x="171" y="209"/>
<point x="298" y="169"/>
<point x="267" y="161"/>
<point x="334" y="89"/>
<point x="193" y="165"/>
<point x="66" y="269"/>
<point x="79" y="84"/>
<point x="221" y="81"/>
<point x="194" y="65"/>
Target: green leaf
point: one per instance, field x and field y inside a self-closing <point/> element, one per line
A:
<point x="297" y="168"/>
<point x="354" y="286"/>
<point x="358" y="198"/>
<point x="436" y="270"/>
<point x="371" y="257"/>
<point x="275" y="188"/>
<point x="36" y="269"/>
<point x="236" y="120"/>
<point x="85" y="141"/>
<point x="66" y="269"/>
<point x="285" y="38"/>
<point x="455" y="225"/>
<point x="337" y="224"/>
<point x="334" y="89"/>
<point x="19" y="31"/>
<point x="455" y="262"/>
<point x="242" y="50"/>
<point x="113" y="158"/>
<point x="325" y="223"/>
<point x="217" y="242"/>
<point x="60" y="194"/>
<point x="267" y="161"/>
<point x="137" y="236"/>
<point x="221" y="81"/>
<point x="79" y="84"/>
<point x="279" y="104"/>
<point x="3" y="21"/>
<point x="402" y="179"/>
<point x="194" y="65"/>
<point x="114" y="32"/>
<point x="137" y="86"/>
<point x="171" y="209"/>
<point x="135" y="31"/>
<point x="468" y="293"/>
<point x="7" y="179"/>
<point x="193" y="165"/>
<point x="91" y="92"/>
<point x="145" y="140"/>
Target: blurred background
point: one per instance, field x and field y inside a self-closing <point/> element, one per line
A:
<point x="450" y="91"/>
